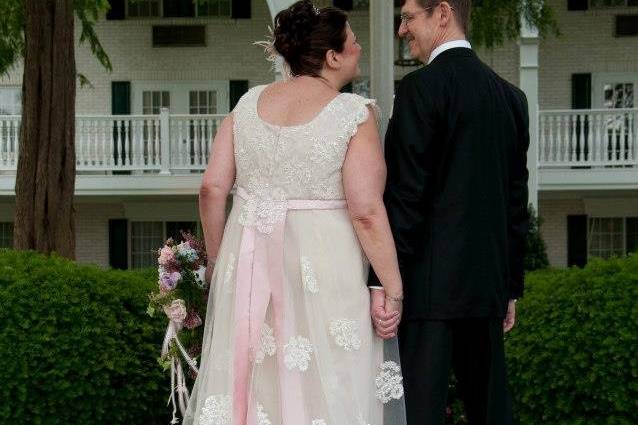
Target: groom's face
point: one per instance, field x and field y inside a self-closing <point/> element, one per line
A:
<point x="420" y="28"/>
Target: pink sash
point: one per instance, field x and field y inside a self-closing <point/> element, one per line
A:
<point x="260" y="278"/>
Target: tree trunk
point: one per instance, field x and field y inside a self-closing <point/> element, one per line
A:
<point x="45" y="180"/>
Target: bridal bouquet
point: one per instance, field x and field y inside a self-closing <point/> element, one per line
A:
<point x="182" y="296"/>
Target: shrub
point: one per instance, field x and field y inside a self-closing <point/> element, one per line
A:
<point x="573" y="357"/>
<point x="536" y="252"/>
<point x="76" y="344"/>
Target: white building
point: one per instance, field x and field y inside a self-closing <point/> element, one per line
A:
<point x="139" y="165"/>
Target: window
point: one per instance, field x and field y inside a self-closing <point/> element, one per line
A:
<point x="361" y="86"/>
<point x="601" y="4"/>
<point x="612" y="236"/>
<point x="203" y="102"/>
<point x="6" y="235"/>
<point x="143" y="8"/>
<point x="214" y="8"/>
<point x="10" y="101"/>
<point x="153" y="101"/>
<point x="179" y="35"/>
<point x="146" y="238"/>
<point x="149" y="236"/>
<point x="619" y="95"/>
<point x="626" y="25"/>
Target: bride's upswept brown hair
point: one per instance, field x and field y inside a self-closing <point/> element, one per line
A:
<point x="303" y="34"/>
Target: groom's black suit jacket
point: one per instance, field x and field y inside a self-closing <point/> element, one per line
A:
<point x="456" y="194"/>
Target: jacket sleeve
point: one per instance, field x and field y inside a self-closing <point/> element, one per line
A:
<point x="409" y="144"/>
<point x="518" y="213"/>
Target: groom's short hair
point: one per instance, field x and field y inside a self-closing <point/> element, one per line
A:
<point x="461" y="10"/>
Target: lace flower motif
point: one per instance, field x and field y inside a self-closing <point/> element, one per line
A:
<point x="297" y="353"/>
<point x="262" y="416"/>
<point x="228" y="275"/>
<point x="389" y="382"/>
<point x="265" y="206"/>
<point x="268" y="346"/>
<point x="308" y="276"/>
<point x="318" y="422"/>
<point x="345" y="333"/>
<point x="216" y="410"/>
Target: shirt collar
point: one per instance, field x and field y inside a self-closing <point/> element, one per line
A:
<point x="449" y="45"/>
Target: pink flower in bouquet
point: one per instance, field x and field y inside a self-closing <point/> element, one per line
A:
<point x="168" y="281"/>
<point x="166" y="257"/>
<point x="176" y="311"/>
<point x="192" y="320"/>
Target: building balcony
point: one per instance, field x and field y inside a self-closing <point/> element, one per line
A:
<point x="127" y="154"/>
<point x="593" y="149"/>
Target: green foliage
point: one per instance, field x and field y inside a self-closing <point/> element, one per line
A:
<point x="573" y="357"/>
<point x="495" y="21"/>
<point x="77" y="345"/>
<point x="12" y="31"/>
<point x="536" y="252"/>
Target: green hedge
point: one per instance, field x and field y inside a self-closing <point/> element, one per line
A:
<point x="76" y="344"/>
<point x="573" y="357"/>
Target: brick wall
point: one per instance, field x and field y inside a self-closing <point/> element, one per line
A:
<point x="586" y="45"/>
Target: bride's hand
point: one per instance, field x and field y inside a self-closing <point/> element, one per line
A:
<point x="386" y="314"/>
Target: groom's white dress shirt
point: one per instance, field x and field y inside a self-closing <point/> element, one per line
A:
<point x="442" y="48"/>
<point x="447" y="46"/>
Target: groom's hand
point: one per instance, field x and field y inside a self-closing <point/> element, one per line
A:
<point x="385" y="323"/>
<point x="510" y="317"/>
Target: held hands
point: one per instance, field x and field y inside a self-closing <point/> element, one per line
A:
<point x="386" y="313"/>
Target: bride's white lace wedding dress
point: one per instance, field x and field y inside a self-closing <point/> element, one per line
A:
<point x="288" y="338"/>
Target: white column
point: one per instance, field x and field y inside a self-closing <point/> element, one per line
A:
<point x="165" y="142"/>
<point x="382" y="57"/>
<point x="528" y="82"/>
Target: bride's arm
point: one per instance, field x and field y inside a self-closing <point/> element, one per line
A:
<point x="216" y="185"/>
<point x="364" y="176"/>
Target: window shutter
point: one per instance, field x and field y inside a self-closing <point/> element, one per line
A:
<point x="632" y="235"/>
<point x="343" y="4"/>
<point x="117" y="11"/>
<point x="577" y="5"/>
<point x="576" y="240"/>
<point x="581" y="91"/>
<point x="118" y="244"/>
<point x="581" y="99"/>
<point x="120" y="105"/>
<point x="237" y="90"/>
<point x="121" y="97"/>
<point x="241" y="9"/>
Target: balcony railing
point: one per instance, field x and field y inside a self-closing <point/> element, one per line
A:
<point x="588" y="138"/>
<point x="161" y="143"/>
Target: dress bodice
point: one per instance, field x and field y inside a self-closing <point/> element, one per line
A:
<point x="279" y="163"/>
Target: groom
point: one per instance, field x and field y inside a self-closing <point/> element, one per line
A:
<point x="456" y="197"/>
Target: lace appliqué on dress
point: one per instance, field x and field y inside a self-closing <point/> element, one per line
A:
<point x="262" y="416"/>
<point x="268" y="346"/>
<point x="216" y="410"/>
<point x="389" y="382"/>
<point x="264" y="207"/>
<point x="297" y="353"/>
<point x="346" y="334"/>
<point x="308" y="276"/>
<point x="228" y="274"/>
<point x="318" y="422"/>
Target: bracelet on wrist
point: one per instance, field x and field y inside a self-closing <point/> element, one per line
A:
<point x="395" y="299"/>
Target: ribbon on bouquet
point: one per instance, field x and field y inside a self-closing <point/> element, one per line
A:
<point x="179" y="390"/>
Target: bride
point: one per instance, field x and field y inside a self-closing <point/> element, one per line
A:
<point x="289" y="338"/>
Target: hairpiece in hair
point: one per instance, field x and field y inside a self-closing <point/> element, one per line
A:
<point x="316" y="9"/>
<point x="273" y="56"/>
